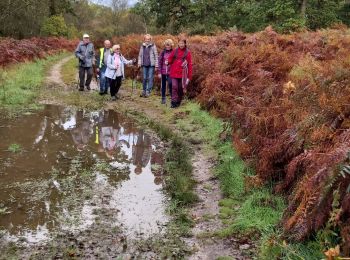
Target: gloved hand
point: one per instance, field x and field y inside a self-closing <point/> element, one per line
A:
<point x="187" y="82"/>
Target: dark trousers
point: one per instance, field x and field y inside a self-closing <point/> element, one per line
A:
<point x="115" y="84"/>
<point x="166" y="79"/>
<point x="89" y="74"/>
<point x="177" y="91"/>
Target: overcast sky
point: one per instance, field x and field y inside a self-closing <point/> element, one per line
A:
<point x="131" y="2"/>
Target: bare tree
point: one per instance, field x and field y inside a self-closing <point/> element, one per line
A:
<point x="118" y="10"/>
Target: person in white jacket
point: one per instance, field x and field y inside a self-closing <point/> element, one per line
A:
<point x="115" y="70"/>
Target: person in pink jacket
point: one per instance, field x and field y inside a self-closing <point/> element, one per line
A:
<point x="164" y="68"/>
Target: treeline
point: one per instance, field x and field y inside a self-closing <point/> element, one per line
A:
<point x="67" y="18"/>
<point x="206" y="17"/>
<point x="107" y="18"/>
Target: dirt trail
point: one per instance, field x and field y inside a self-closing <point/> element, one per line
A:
<point x="54" y="77"/>
<point x="206" y="211"/>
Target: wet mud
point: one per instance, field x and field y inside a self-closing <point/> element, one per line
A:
<point x="78" y="183"/>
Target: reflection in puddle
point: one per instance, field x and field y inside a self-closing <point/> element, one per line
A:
<point x="74" y="165"/>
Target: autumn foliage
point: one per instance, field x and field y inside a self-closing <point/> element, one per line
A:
<point x="13" y="51"/>
<point x="288" y="98"/>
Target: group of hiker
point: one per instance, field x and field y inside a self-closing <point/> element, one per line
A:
<point x="173" y="66"/>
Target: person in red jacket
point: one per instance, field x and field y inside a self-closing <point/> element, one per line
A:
<point x="180" y="61"/>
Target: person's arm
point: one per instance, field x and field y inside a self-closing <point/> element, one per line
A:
<point x="155" y="56"/>
<point x="93" y="54"/>
<point x="140" y="57"/>
<point x="125" y="61"/>
<point x="78" y="53"/>
<point x="98" y="59"/>
<point x="190" y="66"/>
<point x="171" y="57"/>
<point x="160" y="61"/>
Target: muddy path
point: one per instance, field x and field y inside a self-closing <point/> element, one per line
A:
<point x="105" y="238"/>
<point x="54" y="76"/>
<point x="205" y="213"/>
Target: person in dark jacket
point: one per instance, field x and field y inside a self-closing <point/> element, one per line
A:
<point x="102" y="66"/>
<point x="164" y="69"/>
<point x="85" y="52"/>
<point x="148" y="60"/>
<point x="180" y="61"/>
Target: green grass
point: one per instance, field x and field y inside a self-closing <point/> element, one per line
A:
<point x="274" y="247"/>
<point x="256" y="211"/>
<point x="20" y="84"/>
<point x="14" y="148"/>
<point x="69" y="72"/>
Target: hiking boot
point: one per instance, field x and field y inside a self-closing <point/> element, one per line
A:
<point x="163" y="101"/>
<point x="143" y="94"/>
<point x="114" y="98"/>
<point x="147" y="94"/>
<point x="88" y="88"/>
<point x="101" y="93"/>
<point x="81" y="89"/>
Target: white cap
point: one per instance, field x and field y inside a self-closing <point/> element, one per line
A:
<point x="86" y="35"/>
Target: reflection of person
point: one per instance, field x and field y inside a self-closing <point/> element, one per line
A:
<point x="108" y="137"/>
<point x="82" y="132"/>
<point x="85" y="52"/>
<point x="141" y="151"/>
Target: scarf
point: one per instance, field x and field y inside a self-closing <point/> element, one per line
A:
<point x="117" y="60"/>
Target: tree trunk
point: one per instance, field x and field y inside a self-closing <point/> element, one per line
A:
<point x="303" y="8"/>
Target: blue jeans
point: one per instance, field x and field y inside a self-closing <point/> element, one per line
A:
<point x="104" y="83"/>
<point x="148" y="77"/>
<point x="166" y="79"/>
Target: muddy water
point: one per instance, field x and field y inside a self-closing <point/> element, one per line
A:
<point x="60" y="168"/>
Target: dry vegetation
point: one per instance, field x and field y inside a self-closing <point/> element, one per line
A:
<point x="288" y="98"/>
<point x="14" y="51"/>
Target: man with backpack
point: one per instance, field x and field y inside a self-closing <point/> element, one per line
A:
<point x="148" y="60"/>
<point x="102" y="66"/>
<point x="180" y="71"/>
<point x="85" y="52"/>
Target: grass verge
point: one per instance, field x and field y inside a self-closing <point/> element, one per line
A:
<point x="20" y="84"/>
<point x="253" y="213"/>
<point x="69" y="72"/>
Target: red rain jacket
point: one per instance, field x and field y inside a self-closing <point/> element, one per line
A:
<point x="176" y="68"/>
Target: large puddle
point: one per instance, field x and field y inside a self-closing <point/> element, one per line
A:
<point x="61" y="167"/>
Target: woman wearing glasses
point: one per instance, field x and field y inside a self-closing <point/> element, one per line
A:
<point x="115" y="70"/>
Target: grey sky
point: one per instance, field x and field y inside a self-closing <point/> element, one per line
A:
<point x="105" y="2"/>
